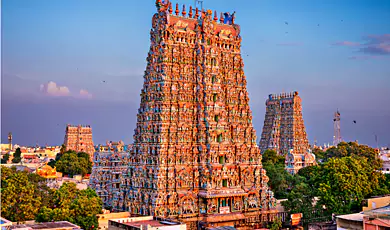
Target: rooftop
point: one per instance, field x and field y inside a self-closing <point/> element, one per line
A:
<point x="383" y="212"/>
<point x="137" y="222"/>
<point x="352" y="217"/>
<point x="47" y="225"/>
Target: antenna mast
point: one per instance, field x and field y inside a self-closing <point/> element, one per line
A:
<point x="336" y="127"/>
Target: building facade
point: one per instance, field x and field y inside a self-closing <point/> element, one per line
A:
<point x="110" y="163"/>
<point x="195" y="157"/>
<point x="294" y="162"/>
<point x="384" y="155"/>
<point x="79" y="138"/>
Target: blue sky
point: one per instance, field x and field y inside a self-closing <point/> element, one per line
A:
<point x="335" y="53"/>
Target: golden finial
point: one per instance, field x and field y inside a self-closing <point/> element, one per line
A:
<point x="190" y="13"/>
<point x="215" y="16"/>
<point x="177" y="9"/>
<point x="184" y="11"/>
<point x="170" y="7"/>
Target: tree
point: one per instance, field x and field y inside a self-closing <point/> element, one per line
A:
<point x="280" y="181"/>
<point x="77" y="206"/>
<point x="72" y="163"/>
<point x="271" y="157"/>
<point x="320" y="155"/>
<point x="344" y="149"/>
<point x="276" y="225"/>
<point x="17" y="156"/>
<point x="18" y="199"/>
<point x="344" y="182"/>
<point x="300" y="200"/>
<point x="40" y="188"/>
<point x="5" y="158"/>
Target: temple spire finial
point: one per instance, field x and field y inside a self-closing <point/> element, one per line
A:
<point x="221" y="18"/>
<point x="215" y="16"/>
<point x="196" y="12"/>
<point x="190" y="13"/>
<point x="177" y="9"/>
<point x="184" y="11"/>
<point x="170" y="8"/>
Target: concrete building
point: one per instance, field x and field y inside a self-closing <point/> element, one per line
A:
<point x="384" y="155"/>
<point x="106" y="216"/>
<point x="375" y="215"/>
<point x="5" y="224"/>
<point x="144" y="223"/>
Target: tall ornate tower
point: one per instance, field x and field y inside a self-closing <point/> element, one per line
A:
<point x="336" y="127"/>
<point x="79" y="139"/>
<point x="195" y="156"/>
<point x="284" y="128"/>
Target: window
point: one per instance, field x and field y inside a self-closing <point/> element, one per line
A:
<point x="213" y="79"/>
<point x="219" y="138"/>
<point x="224" y="184"/>
<point x="216" y="118"/>
<point x="215" y="97"/>
<point x="222" y="160"/>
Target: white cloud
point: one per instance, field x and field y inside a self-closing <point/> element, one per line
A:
<point x="51" y="88"/>
<point x="85" y="94"/>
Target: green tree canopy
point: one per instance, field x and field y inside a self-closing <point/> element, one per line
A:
<point x="5" y="158"/>
<point x="17" y="156"/>
<point x="344" y="182"/>
<point x="348" y="175"/>
<point x="73" y="163"/>
<point x="18" y="199"/>
<point x="271" y="157"/>
<point x="280" y="181"/>
<point x="25" y="196"/>
<point x="345" y="149"/>
<point x="77" y="206"/>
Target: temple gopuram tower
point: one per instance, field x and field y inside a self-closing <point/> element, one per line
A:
<point x="284" y="128"/>
<point x="195" y="156"/>
<point x="284" y="131"/>
<point x="79" y="138"/>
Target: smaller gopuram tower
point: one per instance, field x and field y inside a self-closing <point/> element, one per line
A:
<point x="284" y="128"/>
<point x="79" y="138"/>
